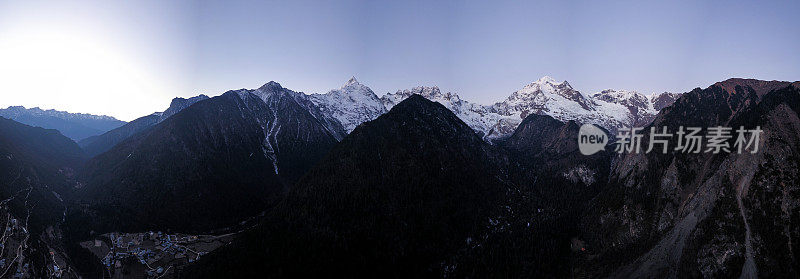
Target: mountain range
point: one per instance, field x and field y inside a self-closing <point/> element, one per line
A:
<point x="76" y="126"/>
<point x="416" y="183"/>
<point x="399" y="193"/>
<point x="609" y="109"/>
<point x="354" y="103"/>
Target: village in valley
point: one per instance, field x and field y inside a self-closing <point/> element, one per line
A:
<point x="151" y="254"/>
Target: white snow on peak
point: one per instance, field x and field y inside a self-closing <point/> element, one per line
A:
<point x="546" y="79"/>
<point x="478" y="117"/>
<point x="352" y="80"/>
<point x="355" y="103"/>
<point x="620" y="95"/>
<point x="610" y="109"/>
<point x="623" y="97"/>
<point x="352" y="104"/>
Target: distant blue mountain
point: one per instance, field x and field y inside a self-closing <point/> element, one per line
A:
<point x="76" y="126"/>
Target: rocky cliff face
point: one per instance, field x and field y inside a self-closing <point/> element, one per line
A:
<point x="690" y="215"/>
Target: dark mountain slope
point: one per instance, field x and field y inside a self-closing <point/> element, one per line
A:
<point x="546" y="159"/>
<point x="297" y="132"/>
<point x="36" y="170"/>
<point x="101" y="143"/>
<point x="398" y="197"/>
<point x="692" y="215"/>
<point x="182" y="172"/>
<point x="771" y="202"/>
<point x="38" y="158"/>
<point x="208" y="166"/>
<point x="552" y="185"/>
<point x="268" y="91"/>
<point x="95" y="145"/>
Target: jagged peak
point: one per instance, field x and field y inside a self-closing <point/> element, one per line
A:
<point x="430" y="92"/>
<point x="421" y="90"/>
<point x="655" y="95"/>
<point x="546" y="83"/>
<point x="181" y="99"/>
<point x="351" y="81"/>
<point x="546" y="79"/>
<point x="353" y="86"/>
<point x="620" y="93"/>
<point x="272" y="85"/>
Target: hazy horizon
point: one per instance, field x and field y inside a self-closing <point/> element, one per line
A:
<point x="128" y="60"/>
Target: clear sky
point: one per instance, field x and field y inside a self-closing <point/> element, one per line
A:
<point x="129" y="58"/>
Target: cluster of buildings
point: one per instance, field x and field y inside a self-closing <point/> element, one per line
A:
<point x="157" y="251"/>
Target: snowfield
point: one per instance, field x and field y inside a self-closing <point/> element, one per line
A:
<point x="355" y="103"/>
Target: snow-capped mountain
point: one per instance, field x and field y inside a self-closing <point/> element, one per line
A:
<point x="639" y="106"/>
<point x="560" y="101"/>
<point x="352" y="104"/>
<point x="610" y="109"/>
<point x="478" y="117"/>
<point x="663" y="100"/>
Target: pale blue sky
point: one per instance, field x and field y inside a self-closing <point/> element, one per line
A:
<point x="130" y="59"/>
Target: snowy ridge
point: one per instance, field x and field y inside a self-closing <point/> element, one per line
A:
<point x="662" y="100"/>
<point x="560" y="101"/>
<point x="478" y="117"/>
<point x="640" y="107"/>
<point x="341" y="110"/>
<point x="609" y="109"/>
<point x="20" y="110"/>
